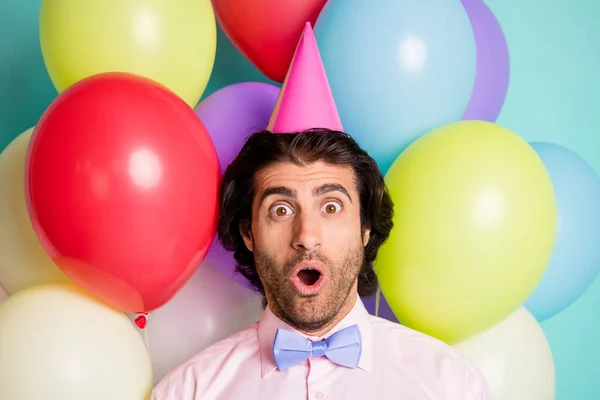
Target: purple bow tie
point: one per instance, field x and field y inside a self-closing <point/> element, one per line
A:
<point x="343" y="348"/>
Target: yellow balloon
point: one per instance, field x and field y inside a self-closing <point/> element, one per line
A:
<point x="171" y="41"/>
<point x="59" y="343"/>
<point x="23" y="260"/>
<point x="474" y="228"/>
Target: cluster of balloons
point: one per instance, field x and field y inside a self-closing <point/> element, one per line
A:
<point x="479" y="231"/>
<point x="110" y="202"/>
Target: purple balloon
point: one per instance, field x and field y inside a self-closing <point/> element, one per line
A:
<point x="385" y="311"/>
<point x="230" y="115"/>
<point x="491" y="77"/>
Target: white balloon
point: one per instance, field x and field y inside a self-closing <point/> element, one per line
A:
<point x="515" y="358"/>
<point x="59" y="343"/>
<point x="208" y="308"/>
<point x="23" y="260"/>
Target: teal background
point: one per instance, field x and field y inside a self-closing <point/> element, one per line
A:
<point x="25" y="87"/>
<point x="553" y="96"/>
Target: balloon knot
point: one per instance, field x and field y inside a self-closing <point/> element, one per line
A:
<point x="141" y="321"/>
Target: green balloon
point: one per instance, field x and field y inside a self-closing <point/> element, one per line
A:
<point x="25" y="87"/>
<point x="553" y="96"/>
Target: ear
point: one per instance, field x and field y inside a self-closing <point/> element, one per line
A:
<point x="366" y="235"/>
<point x="246" y="232"/>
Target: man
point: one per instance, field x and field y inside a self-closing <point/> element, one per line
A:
<point x="305" y="212"/>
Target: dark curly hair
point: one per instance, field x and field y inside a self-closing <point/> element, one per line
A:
<point x="333" y="147"/>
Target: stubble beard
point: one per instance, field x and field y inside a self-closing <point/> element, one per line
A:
<point x="309" y="313"/>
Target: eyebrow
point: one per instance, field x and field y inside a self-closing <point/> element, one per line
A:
<point x="331" y="187"/>
<point x="280" y="190"/>
<point x="318" y="191"/>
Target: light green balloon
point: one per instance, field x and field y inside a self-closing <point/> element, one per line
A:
<point x="553" y="96"/>
<point x="25" y="87"/>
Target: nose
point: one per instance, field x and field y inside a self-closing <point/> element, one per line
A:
<point x="307" y="232"/>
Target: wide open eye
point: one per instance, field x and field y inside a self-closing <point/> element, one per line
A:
<point x="281" y="210"/>
<point x="331" y="207"/>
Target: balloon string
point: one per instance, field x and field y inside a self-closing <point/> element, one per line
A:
<point x="377" y="300"/>
<point x="147" y="343"/>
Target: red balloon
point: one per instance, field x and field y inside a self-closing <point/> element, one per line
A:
<point x="266" y="32"/>
<point x="122" y="184"/>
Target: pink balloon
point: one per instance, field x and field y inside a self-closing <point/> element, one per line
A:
<point x="208" y="308"/>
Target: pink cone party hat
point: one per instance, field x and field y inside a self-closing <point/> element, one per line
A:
<point x="305" y="100"/>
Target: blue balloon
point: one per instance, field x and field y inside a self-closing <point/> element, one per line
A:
<point x="397" y="68"/>
<point x="575" y="261"/>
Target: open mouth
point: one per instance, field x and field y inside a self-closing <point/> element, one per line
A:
<point x="308" y="278"/>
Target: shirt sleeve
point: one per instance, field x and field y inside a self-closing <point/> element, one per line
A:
<point x="158" y="394"/>
<point x="165" y="392"/>
<point x="179" y="385"/>
<point x="477" y="387"/>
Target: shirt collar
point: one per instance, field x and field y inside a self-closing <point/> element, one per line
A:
<point x="269" y="323"/>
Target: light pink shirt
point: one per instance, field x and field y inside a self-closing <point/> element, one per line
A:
<point x="396" y="363"/>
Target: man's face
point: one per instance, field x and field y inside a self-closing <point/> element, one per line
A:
<point x="307" y="240"/>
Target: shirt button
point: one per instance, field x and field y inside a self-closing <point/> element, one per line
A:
<point x="319" y="395"/>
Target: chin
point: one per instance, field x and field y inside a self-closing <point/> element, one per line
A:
<point x="311" y="310"/>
